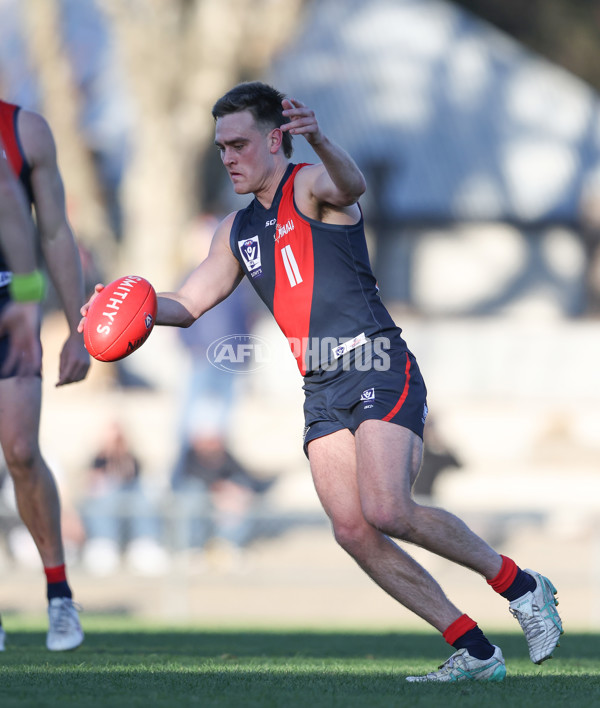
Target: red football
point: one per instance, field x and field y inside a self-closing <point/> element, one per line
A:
<point x="120" y="318"/>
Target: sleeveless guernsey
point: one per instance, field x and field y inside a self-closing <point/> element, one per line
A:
<point x="315" y="278"/>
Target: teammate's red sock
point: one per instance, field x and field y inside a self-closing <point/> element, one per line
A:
<point x="56" y="578"/>
<point x="464" y="633"/>
<point x="512" y="582"/>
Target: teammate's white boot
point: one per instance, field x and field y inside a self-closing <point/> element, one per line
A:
<point x="64" y="630"/>
<point x="461" y="666"/>
<point x="539" y="619"/>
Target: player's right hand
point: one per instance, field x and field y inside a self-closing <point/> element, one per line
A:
<point x="84" y="310"/>
<point x="20" y="320"/>
<point x="302" y="121"/>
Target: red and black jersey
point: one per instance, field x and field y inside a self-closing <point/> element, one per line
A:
<point x="14" y="153"/>
<point x="13" y="149"/>
<point x="314" y="277"/>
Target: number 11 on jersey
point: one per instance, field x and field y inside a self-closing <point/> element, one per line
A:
<point x="291" y="266"/>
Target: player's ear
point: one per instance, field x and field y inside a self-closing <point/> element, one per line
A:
<point x="275" y="140"/>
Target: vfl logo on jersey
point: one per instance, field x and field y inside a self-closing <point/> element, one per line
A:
<point x="250" y="250"/>
<point x="368" y="395"/>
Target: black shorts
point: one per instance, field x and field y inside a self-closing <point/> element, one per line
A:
<point x="390" y="389"/>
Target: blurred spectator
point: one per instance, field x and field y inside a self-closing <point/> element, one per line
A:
<point x="209" y="392"/>
<point x="118" y="513"/>
<point x="438" y="458"/>
<point x="590" y="233"/>
<point x="215" y="496"/>
<point x="16" y="542"/>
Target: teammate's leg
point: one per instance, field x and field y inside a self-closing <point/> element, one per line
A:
<point x="35" y="489"/>
<point x="37" y="500"/>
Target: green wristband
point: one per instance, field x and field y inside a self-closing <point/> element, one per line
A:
<point x="27" y="287"/>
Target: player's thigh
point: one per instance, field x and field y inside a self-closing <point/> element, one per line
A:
<point x="20" y="403"/>
<point x="388" y="461"/>
<point x="333" y="466"/>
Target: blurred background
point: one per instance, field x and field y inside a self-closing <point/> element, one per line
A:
<point x="477" y="124"/>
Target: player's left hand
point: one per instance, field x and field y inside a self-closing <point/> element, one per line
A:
<point x="74" y="361"/>
<point x="302" y="121"/>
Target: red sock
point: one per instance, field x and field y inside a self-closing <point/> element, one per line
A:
<point x="57" y="574"/>
<point x="459" y="627"/>
<point x="507" y="574"/>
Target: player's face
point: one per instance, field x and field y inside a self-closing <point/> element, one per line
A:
<point x="244" y="150"/>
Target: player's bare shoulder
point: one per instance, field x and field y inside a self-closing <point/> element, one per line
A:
<point x="223" y="232"/>
<point x="306" y="178"/>
<point x="304" y="183"/>
<point x="36" y="137"/>
<point x="227" y="222"/>
<point x="312" y="204"/>
<point x="220" y="253"/>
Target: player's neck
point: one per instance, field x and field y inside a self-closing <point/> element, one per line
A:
<point x="266" y="194"/>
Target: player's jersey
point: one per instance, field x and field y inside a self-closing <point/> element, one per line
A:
<point x="14" y="153"/>
<point x="315" y="278"/>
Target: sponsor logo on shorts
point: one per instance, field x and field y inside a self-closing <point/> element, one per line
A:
<point x="239" y="353"/>
<point x="305" y="432"/>
<point x="368" y="395"/>
<point x="425" y="412"/>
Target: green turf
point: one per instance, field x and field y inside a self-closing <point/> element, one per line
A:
<point x="125" y="662"/>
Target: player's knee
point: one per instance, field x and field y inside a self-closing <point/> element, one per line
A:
<point x="392" y="519"/>
<point x="350" y="533"/>
<point x="20" y="456"/>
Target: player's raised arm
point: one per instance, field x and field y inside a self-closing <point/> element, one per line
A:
<point x="338" y="180"/>
<point x="210" y="283"/>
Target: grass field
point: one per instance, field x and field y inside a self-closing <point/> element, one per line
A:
<point x="126" y="662"/>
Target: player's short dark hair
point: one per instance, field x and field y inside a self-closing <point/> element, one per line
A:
<point x="262" y="100"/>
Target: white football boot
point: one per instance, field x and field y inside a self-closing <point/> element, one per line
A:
<point x="461" y="666"/>
<point x="64" y="632"/>
<point x="539" y="619"/>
